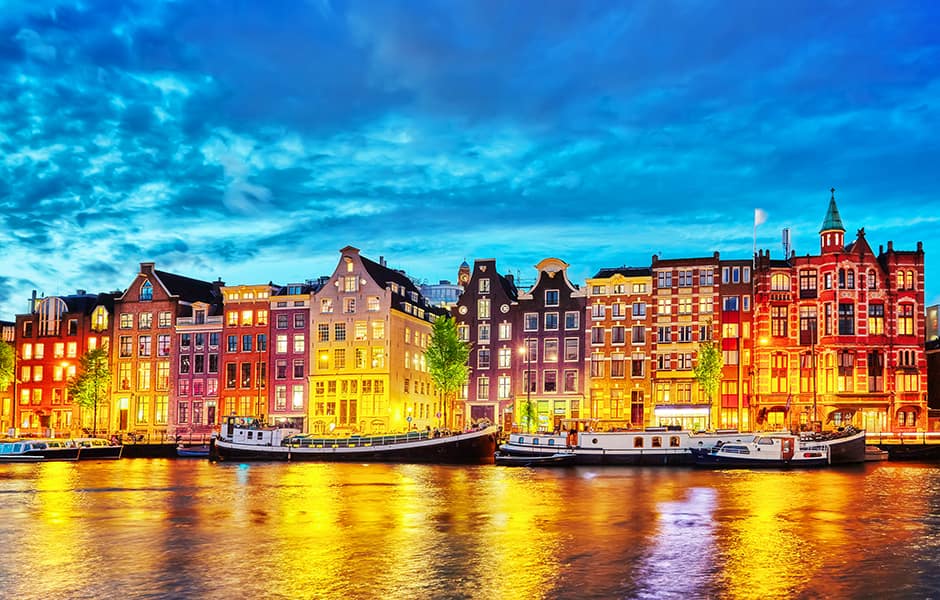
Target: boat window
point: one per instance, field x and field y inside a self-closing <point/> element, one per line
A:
<point x="535" y="441"/>
<point x="674" y="441"/>
<point x="551" y="442"/>
<point x="249" y="435"/>
<point x="765" y="441"/>
<point x="638" y="442"/>
<point x="657" y="441"/>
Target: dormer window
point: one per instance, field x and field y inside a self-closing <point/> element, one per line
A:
<point x="551" y="297"/>
<point x="146" y="291"/>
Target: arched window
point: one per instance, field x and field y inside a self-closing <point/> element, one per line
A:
<point x="780" y="282"/>
<point x="146" y="291"/>
<point x="99" y="319"/>
<point x="872" y="279"/>
<point x="850" y="279"/>
<point x="841" y="279"/>
<point x="50" y="315"/>
<point x="909" y="280"/>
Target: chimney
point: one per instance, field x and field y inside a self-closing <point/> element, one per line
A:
<point x="32" y="303"/>
<point x="146" y="268"/>
<point x="511" y="278"/>
<point x="382" y="260"/>
<point x="890" y="246"/>
<point x="79" y="292"/>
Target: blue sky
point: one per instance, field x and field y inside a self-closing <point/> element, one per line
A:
<point x="252" y="140"/>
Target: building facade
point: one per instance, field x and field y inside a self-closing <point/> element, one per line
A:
<point x="145" y="346"/>
<point x="485" y="315"/>
<point x="8" y="336"/>
<point x="50" y="343"/>
<point x="735" y="311"/>
<point x="195" y="404"/>
<point x="551" y="366"/>
<point x="845" y="335"/>
<point x="245" y="352"/>
<point x="369" y="373"/>
<point x="288" y="358"/>
<point x="620" y="339"/>
<point x="686" y="296"/>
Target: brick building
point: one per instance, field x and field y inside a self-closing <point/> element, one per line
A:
<point x="621" y="339"/>
<point x="245" y="349"/>
<point x="845" y="335"/>
<point x="194" y="407"/>
<point x="288" y="356"/>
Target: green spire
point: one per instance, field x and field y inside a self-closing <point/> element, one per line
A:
<point x="832" y="220"/>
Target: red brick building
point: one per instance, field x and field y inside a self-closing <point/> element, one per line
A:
<point x="146" y="348"/>
<point x="845" y="335"/>
<point x="288" y="363"/>
<point x="194" y="402"/>
<point x="50" y="342"/>
<point x="245" y="351"/>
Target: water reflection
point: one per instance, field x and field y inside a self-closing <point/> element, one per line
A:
<point x="191" y="529"/>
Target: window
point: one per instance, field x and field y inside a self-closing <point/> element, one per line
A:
<point x="246" y="375"/>
<point x="572" y="320"/>
<point x="298" y="342"/>
<point x="360" y="331"/>
<point x="706" y="277"/>
<point x="846" y="318"/>
<point x="597" y="364"/>
<point x="725" y="275"/>
<point x="505" y="331"/>
<point x="531" y="322"/>
<point x="617" y="364"/>
<point x="807" y="284"/>
<point x="282" y="321"/>
<point x="846" y="373"/>
<point x="550" y="381"/>
<point x="639" y="288"/>
<point x="905" y="319"/>
<point x="339" y="332"/>
<point x="126" y="322"/>
<point x="637" y="365"/>
<point x="638" y="334"/>
<point x="323" y="332"/>
<point x="339" y="358"/>
<point x="780" y="282"/>
<point x="571" y="381"/>
<point x="504" y="358"/>
<point x="144" y="320"/>
<point x="298" y="369"/>
<point x="326" y="305"/>
<point x="378" y="330"/>
<point x="685" y="306"/>
<point x="246" y="342"/>
<point x="778" y="321"/>
<point x="551" y="350"/>
<point x="125" y="346"/>
<point x="483" y="387"/>
<point x="598" y="311"/>
<point x="146" y="292"/>
<point x="663" y="306"/>
<point x="213" y="363"/>
<point x="685" y="333"/>
<point x="779" y="363"/>
<point x="143" y="347"/>
<point x="143" y="376"/>
<point x="463" y="332"/>
<point x="572" y="352"/>
<point x="350" y="283"/>
<point x="597" y="335"/>
<point x="280" y="344"/>
<point x="685" y="361"/>
<point x="735" y="274"/>
<point x="876" y="366"/>
<point x="505" y="386"/>
<point x="483" y="358"/>
<point x="827" y="281"/>
<point x="872" y="280"/>
<point x="551" y="297"/>
<point x="617" y="334"/>
<point x="247" y="318"/>
<point x="685" y="278"/>
<point x="876" y="319"/>
<point x="618" y="310"/>
<point x="729" y="303"/>
<point x="483" y="308"/>
<point x="349" y="305"/>
<point x="664" y="279"/>
<point x="232" y="341"/>
<point x="664" y="334"/>
<point x="639" y="309"/>
<point x="372" y="304"/>
<point x="163" y="345"/>
<point x="483" y="333"/>
<point x="705" y="305"/>
<point x="231" y="375"/>
<point x="551" y="321"/>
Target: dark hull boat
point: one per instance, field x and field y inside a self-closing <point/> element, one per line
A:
<point x="561" y="459"/>
<point x="238" y="442"/>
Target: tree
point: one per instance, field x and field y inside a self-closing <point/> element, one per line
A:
<point x="708" y="370"/>
<point x="7" y="357"/>
<point x="90" y="388"/>
<point x="529" y="414"/>
<point x="446" y="357"/>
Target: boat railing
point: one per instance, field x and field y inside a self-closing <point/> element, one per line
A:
<point x="903" y="437"/>
<point x="354" y="441"/>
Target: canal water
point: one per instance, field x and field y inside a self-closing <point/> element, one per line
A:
<point x="191" y="529"/>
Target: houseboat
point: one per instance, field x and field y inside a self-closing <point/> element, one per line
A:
<point x="786" y="450"/>
<point x="93" y="448"/>
<point x="37" y="450"/>
<point x="599" y="442"/>
<point x="246" y="439"/>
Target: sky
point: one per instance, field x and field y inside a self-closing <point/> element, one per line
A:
<point x="251" y="140"/>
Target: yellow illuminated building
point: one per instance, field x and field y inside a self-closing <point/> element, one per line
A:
<point x="370" y="329"/>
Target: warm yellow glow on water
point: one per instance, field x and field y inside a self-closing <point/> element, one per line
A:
<point x="191" y="529"/>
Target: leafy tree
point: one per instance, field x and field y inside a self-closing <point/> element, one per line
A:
<point x="529" y="414"/>
<point x="447" y="356"/>
<point x="708" y="370"/>
<point x="6" y="365"/>
<point x="90" y="387"/>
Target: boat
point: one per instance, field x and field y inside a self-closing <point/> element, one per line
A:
<point x="192" y="451"/>
<point x="875" y="454"/>
<point x="92" y="448"/>
<point x="38" y="450"/>
<point x="787" y="450"/>
<point x="559" y="459"/>
<point x="773" y="451"/>
<point x="609" y="442"/>
<point x="244" y="438"/>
